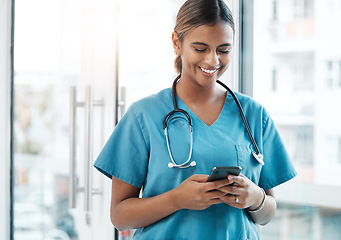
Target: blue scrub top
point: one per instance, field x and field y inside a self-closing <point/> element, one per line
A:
<point x="137" y="153"/>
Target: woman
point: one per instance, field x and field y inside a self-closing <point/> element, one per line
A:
<point x="177" y="201"/>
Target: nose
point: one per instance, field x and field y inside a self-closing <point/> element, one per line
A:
<point x="212" y="58"/>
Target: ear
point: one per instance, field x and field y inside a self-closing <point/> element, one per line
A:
<point x="176" y="44"/>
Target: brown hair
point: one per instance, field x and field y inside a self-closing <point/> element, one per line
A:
<point x="194" y="13"/>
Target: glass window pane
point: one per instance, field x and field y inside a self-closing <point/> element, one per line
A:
<point x="297" y="78"/>
<point x="46" y="64"/>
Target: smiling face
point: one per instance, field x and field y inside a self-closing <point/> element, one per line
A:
<point x="206" y="52"/>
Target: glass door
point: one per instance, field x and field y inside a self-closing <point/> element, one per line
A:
<point x="64" y="85"/>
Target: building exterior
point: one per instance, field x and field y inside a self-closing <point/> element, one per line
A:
<point x="297" y="76"/>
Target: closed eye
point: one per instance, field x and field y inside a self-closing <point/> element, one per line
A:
<point x="200" y="50"/>
<point x="219" y="51"/>
<point x="224" y="51"/>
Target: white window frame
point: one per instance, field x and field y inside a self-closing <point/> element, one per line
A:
<point x="245" y="50"/>
<point x="5" y="115"/>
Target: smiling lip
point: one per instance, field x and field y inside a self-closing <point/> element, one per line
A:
<point x="209" y="71"/>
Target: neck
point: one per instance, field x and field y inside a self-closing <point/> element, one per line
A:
<point x="195" y="93"/>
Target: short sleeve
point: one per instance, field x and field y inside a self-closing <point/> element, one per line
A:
<point x="125" y="154"/>
<point x="278" y="167"/>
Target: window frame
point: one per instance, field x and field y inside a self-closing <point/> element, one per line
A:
<point x="6" y="96"/>
<point x="245" y="83"/>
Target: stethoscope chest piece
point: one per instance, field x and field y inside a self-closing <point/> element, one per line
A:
<point x="258" y="157"/>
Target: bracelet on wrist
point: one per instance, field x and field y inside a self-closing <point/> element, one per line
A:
<point x="261" y="205"/>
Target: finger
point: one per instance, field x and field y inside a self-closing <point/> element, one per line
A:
<point x="231" y="189"/>
<point x="215" y="201"/>
<point x="230" y="199"/>
<point x="215" y="194"/>
<point x="198" y="178"/>
<point x="239" y="180"/>
<point x="209" y="203"/>
<point x="216" y="184"/>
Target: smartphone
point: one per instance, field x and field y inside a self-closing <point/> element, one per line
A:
<point x="219" y="173"/>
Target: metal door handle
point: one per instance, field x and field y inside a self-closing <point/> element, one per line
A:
<point x="121" y="104"/>
<point x="89" y="107"/>
<point x="88" y="148"/>
<point x="73" y="181"/>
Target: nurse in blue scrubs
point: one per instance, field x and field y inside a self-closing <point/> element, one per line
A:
<point x="179" y="203"/>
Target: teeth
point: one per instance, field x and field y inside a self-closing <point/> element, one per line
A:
<point x="208" y="71"/>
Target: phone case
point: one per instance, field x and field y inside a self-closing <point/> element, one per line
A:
<point x="219" y="173"/>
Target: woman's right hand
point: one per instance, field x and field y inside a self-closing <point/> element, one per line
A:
<point x="196" y="193"/>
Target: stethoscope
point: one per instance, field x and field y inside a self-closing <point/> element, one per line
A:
<point x="256" y="154"/>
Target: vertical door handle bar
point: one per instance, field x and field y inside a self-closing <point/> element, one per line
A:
<point x="88" y="148"/>
<point x="72" y="167"/>
<point x="88" y="117"/>
<point x="122" y="102"/>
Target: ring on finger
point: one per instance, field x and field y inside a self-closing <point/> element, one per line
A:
<point x="237" y="200"/>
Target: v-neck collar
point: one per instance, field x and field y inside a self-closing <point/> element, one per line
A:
<point x="182" y="105"/>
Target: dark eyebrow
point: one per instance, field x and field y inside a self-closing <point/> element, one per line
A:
<point x="204" y="44"/>
<point x="200" y="43"/>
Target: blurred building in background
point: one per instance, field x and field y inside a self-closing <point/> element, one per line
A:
<point x="297" y="77"/>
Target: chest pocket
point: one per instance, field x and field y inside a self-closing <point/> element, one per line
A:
<point x="251" y="168"/>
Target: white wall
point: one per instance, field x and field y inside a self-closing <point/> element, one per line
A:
<point x="5" y="64"/>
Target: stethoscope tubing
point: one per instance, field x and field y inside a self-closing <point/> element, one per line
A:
<point x="173" y="163"/>
<point x="246" y="124"/>
<point x="257" y="155"/>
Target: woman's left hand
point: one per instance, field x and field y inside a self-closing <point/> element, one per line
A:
<point x="242" y="193"/>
